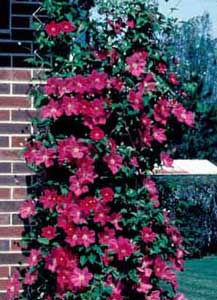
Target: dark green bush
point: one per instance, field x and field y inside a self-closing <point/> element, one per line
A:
<point x="192" y="201"/>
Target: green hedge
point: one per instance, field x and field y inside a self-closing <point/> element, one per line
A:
<point x="192" y="201"/>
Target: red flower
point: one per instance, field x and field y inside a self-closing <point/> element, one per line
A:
<point x="51" y="110"/>
<point x="166" y="159"/>
<point x="27" y="209"/>
<point x="150" y="186"/>
<point x="107" y="194"/>
<point x="88" y="205"/>
<point x="164" y="272"/>
<point x="13" y="287"/>
<point x="67" y="27"/>
<point x="80" y="278"/>
<point x="123" y="247"/>
<point x="147" y="235"/>
<point x="137" y="62"/>
<point x="144" y="287"/>
<point x="114" y="162"/>
<point x="48" y="232"/>
<point x="52" y="29"/>
<point x="34" y="257"/>
<point x="159" y="134"/>
<point x="106" y="236"/>
<point x="97" y="134"/>
<point x="31" y="153"/>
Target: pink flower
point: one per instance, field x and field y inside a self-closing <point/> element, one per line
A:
<point x="45" y="156"/>
<point x="49" y="198"/>
<point x="150" y="186"/>
<point x="106" y="236"/>
<point x="70" y="106"/>
<point x="101" y="215"/>
<point x="148" y="235"/>
<point x="107" y="194"/>
<point x="97" y="134"/>
<point x="98" y="81"/>
<point x="34" y="257"/>
<point x="137" y="62"/>
<point x="77" y="187"/>
<point x="179" y="297"/>
<point x="80" y="278"/>
<point x="136" y="100"/>
<point x="52" y="29"/>
<point x="155" y="295"/>
<point x="31" y="152"/>
<point x="81" y="84"/>
<point x="131" y="23"/>
<point x="13" y="287"/>
<point x="161" y="68"/>
<point x="116" y="289"/>
<point x="159" y="134"/>
<point x="113" y="161"/>
<point x="31" y="278"/>
<point x="51" y="110"/>
<point x="123" y="247"/>
<point x="183" y="115"/>
<point x="144" y="287"/>
<point x="67" y="27"/>
<point x="81" y="237"/>
<point x="166" y="159"/>
<point x="148" y="84"/>
<point x="52" y="85"/>
<point x="162" y="111"/>
<point x="173" y="79"/>
<point x="48" y="232"/>
<point x="162" y="271"/>
<point x="27" y="209"/>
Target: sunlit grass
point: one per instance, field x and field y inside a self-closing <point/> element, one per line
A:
<point x="199" y="280"/>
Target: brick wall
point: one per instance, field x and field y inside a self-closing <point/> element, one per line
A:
<point x="15" y="110"/>
<point x="16" y="32"/>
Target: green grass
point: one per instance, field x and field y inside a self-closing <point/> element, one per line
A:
<point x="199" y="280"/>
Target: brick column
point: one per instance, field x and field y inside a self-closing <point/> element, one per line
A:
<point x="15" y="110"/>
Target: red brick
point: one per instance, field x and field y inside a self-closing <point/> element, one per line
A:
<point x="3" y="296"/>
<point x="4" y="219"/>
<point x="4" y="245"/>
<point x="11" y="231"/>
<point x="5" y="193"/>
<point x="10" y="155"/>
<point x="19" y="193"/>
<point x="11" y="128"/>
<point x="4" y="115"/>
<point x="11" y="258"/>
<point x="3" y="284"/>
<point x="5" y="167"/>
<point x="13" y="101"/>
<point x="15" y="245"/>
<point x="18" y="75"/>
<point x="4" y="271"/>
<point x="16" y="220"/>
<point x="8" y="206"/>
<point x="23" y="115"/>
<point x="18" y="141"/>
<point x="4" y="141"/>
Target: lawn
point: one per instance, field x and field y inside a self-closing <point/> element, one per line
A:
<point x="199" y="280"/>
